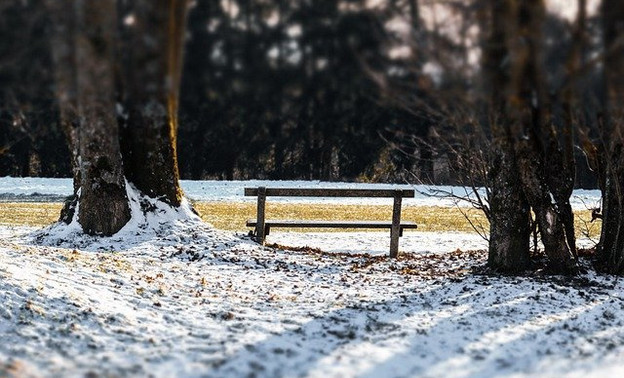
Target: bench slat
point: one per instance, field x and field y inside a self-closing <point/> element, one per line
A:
<point x="331" y="224"/>
<point x="330" y="192"/>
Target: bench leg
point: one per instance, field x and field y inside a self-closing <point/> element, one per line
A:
<point x="260" y="231"/>
<point x="395" y="231"/>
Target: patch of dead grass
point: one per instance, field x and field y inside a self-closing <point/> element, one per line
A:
<point x="232" y="215"/>
<point x="29" y="213"/>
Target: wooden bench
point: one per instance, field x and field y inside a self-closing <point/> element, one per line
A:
<point x="263" y="226"/>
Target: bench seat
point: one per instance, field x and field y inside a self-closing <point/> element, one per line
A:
<point x="330" y="224"/>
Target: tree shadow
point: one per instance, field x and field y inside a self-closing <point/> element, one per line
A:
<point x="57" y="336"/>
<point x="470" y="326"/>
<point x="473" y="327"/>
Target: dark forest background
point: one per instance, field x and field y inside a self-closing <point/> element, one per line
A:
<point x="281" y="89"/>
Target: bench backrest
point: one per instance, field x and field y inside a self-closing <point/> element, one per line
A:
<point x="330" y="192"/>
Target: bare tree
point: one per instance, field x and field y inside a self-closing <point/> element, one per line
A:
<point x="611" y="246"/>
<point x="509" y="209"/>
<point x="87" y="44"/>
<point x="104" y="205"/>
<point x="152" y="37"/>
<point x="540" y="156"/>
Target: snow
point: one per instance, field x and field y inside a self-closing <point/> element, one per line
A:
<point x="172" y="296"/>
<point x="47" y="189"/>
<point x="195" y="301"/>
<point x="378" y="243"/>
<point x="141" y="226"/>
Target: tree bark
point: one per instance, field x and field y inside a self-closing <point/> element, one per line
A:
<point x="509" y="210"/>
<point x="152" y="36"/>
<point x="611" y="246"/>
<point x="85" y="41"/>
<point x="103" y="204"/>
<point x="62" y="46"/>
<point x="533" y="132"/>
<point x="509" y="214"/>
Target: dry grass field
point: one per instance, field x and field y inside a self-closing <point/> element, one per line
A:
<point x="232" y="216"/>
<point x="29" y="213"/>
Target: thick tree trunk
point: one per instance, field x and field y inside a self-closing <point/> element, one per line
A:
<point x="85" y="40"/>
<point x="529" y="112"/>
<point x="509" y="214"/>
<point x="62" y="43"/>
<point x="611" y="246"/>
<point x="509" y="211"/>
<point x="611" y="251"/>
<point x="103" y="204"/>
<point x="560" y="177"/>
<point x="551" y="227"/>
<point x="152" y="34"/>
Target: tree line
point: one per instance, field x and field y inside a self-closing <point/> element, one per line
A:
<point x="271" y="89"/>
<point x="278" y="89"/>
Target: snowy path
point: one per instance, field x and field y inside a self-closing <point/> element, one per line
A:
<point x="198" y="302"/>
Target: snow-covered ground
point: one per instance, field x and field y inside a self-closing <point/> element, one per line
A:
<point x="171" y="296"/>
<point x="194" y="301"/>
<point x="46" y="189"/>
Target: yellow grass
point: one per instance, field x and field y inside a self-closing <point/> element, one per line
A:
<point x="232" y="216"/>
<point x="29" y="213"/>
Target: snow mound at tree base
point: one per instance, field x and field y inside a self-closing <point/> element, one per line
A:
<point x="152" y="222"/>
